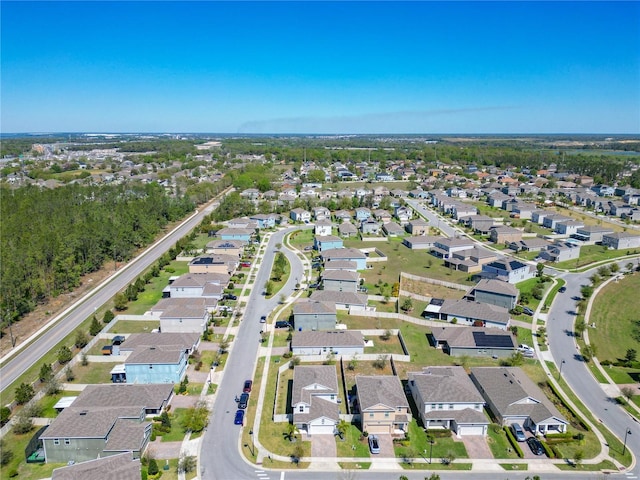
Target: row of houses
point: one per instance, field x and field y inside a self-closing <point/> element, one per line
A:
<point x="445" y="397"/>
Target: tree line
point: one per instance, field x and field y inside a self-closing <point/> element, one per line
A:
<point x="50" y="238"/>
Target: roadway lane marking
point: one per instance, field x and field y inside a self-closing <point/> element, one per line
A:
<point x="281" y="475"/>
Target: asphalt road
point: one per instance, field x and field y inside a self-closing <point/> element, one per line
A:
<point x="433" y="218"/>
<point x="574" y="371"/>
<point x="219" y="457"/>
<point x="67" y="321"/>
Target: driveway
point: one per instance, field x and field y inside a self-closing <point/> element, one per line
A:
<point x="323" y="446"/>
<point x="386" y="446"/>
<point x="476" y="446"/>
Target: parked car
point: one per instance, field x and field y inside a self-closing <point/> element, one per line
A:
<point x="245" y="264"/>
<point x="239" y="418"/>
<point x="247" y="386"/>
<point x="527" y="311"/>
<point x="313" y="285"/>
<point x="243" y="401"/>
<point x="263" y="319"/>
<point x="374" y="445"/>
<point x="282" y="324"/>
<point x="535" y="446"/>
<point x="523" y="347"/>
<point x="518" y="432"/>
<point x="562" y="289"/>
<point x="230" y="296"/>
<point x="308" y="248"/>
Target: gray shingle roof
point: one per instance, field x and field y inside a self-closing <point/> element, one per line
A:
<point x="331" y="338"/>
<point x="347" y="298"/>
<point x="126" y="435"/>
<point x="341" y="265"/>
<point x="182" y="307"/>
<point x="476" y="311"/>
<point x="151" y="396"/>
<point x="200" y="279"/>
<point x="496" y="286"/>
<point x="154" y="355"/>
<point x="343" y="253"/>
<point x="75" y="422"/>
<point x="311" y="306"/>
<point x="380" y="389"/>
<point x="446" y="385"/>
<point x="463" y="337"/>
<point x="342" y="275"/>
<point x="513" y="393"/>
<point x="113" y="467"/>
<point x="175" y="341"/>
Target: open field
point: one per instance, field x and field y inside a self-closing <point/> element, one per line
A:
<point x="614" y="312"/>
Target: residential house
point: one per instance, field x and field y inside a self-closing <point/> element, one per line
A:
<point x="421" y="243"/>
<point x="226" y="247"/>
<point x="190" y="285"/>
<point x="478" y="223"/>
<point x="470" y="260"/>
<point x="591" y="233"/>
<point x="347" y="230"/>
<point x="328" y="242"/>
<point x="243" y="234"/>
<point x="340" y="280"/>
<point x="603" y="190"/>
<point x="121" y="466"/>
<point x="446" y="398"/>
<point x="341" y="300"/>
<point x="494" y="292"/>
<point x="350" y="254"/>
<point x="384" y="177"/>
<point x="513" y="398"/>
<point x="338" y="342"/>
<point x="473" y="341"/>
<point x="311" y="314"/>
<point x="105" y="420"/>
<point x="550" y="221"/>
<point x="341" y="265"/>
<point x="183" y="314"/>
<point x="370" y="227"/>
<point x="509" y="270"/>
<point x="560" y="252"/>
<point x="497" y="200"/>
<point x="392" y="229"/>
<point x="618" y="209"/>
<point x="621" y="240"/>
<point x="462" y="210"/>
<point x="314" y="399"/>
<point x="538" y="216"/>
<point x="300" y="215"/>
<point x="210" y="263"/>
<point x="383" y="405"/>
<point x="362" y="213"/>
<point x="321" y="213"/>
<point x="243" y="222"/>
<point x="417" y="227"/>
<point x="264" y="220"/>
<point x="502" y="234"/>
<point x="250" y="194"/>
<point x="466" y="312"/>
<point x="534" y="244"/>
<point x="446" y="247"/>
<point x="382" y="215"/>
<point x="403" y="214"/>
<point x="523" y="210"/>
<point x="323" y="227"/>
<point x="342" y="216"/>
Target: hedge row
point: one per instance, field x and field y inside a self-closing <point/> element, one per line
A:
<point x="549" y="452"/>
<point x="438" y="433"/>
<point x="577" y="416"/>
<point x="513" y="441"/>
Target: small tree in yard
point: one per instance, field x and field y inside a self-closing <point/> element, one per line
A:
<point x="292" y="432"/>
<point x="187" y="463"/>
<point x="407" y="305"/>
<point x="24" y="393"/>
<point x="6" y="454"/>
<point x="5" y="414"/>
<point x="630" y="356"/>
<point x="196" y="418"/>
<point x="297" y="454"/>
<point x="23" y="423"/>
<point x="386" y="335"/>
<point x="69" y="375"/>
<point x="380" y="363"/>
<point x="353" y="363"/>
<point x="46" y="372"/>
<point x="95" y="326"/>
<point x="628" y="393"/>
<point x="64" y="355"/>
<point x="153" y="469"/>
<point x="578" y="456"/>
<point x="84" y="361"/>
<point x="81" y="339"/>
<point x="588" y="352"/>
<point x="52" y="386"/>
<point x="514" y="330"/>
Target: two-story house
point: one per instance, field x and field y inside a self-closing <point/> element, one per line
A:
<point x="314" y="399"/>
<point x="383" y="406"/>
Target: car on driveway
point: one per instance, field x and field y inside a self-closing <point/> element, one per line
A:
<point x="374" y="445"/>
<point x="230" y="296"/>
<point x="535" y="446"/>
<point x="308" y="248"/>
<point x="239" y="418"/>
<point x="245" y="264"/>
<point x="247" y="386"/>
<point x="518" y="432"/>
<point x="527" y="311"/>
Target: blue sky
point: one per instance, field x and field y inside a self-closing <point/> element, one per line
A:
<point x="306" y="67"/>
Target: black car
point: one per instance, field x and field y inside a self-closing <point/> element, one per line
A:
<point x="230" y="296"/>
<point x="535" y="446"/>
<point x="282" y="324"/>
<point x="562" y="289"/>
<point x="244" y="400"/>
<point x="527" y="311"/>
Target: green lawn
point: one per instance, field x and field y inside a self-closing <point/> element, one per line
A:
<point x="48" y="401"/>
<point x="18" y="467"/>
<point x="93" y="373"/>
<point x="352" y="446"/>
<point x="621" y="375"/>
<point x="278" y="284"/>
<point x="403" y="259"/>
<point x="594" y="253"/>
<point x="499" y="443"/>
<point x="418" y="445"/>
<point x="177" y="432"/>
<point x="153" y="290"/>
<point x="134" y="326"/>
<point x="614" y="312"/>
<point x="301" y="239"/>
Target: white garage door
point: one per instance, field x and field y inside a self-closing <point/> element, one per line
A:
<point x="470" y="429"/>
<point x="321" y="429"/>
<point x="378" y="429"/>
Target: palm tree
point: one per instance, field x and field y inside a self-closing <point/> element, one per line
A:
<point x="292" y="431"/>
<point x="342" y="428"/>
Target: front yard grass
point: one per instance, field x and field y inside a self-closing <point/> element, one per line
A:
<point x="499" y="443"/>
<point x="593" y="253"/>
<point x="278" y="284"/>
<point x="418" y="444"/>
<point x="352" y="446"/>
<point x="354" y="465"/>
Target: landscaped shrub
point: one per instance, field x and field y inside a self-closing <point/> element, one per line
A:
<point x="556" y="452"/>
<point x="553" y="438"/>
<point x="578" y="417"/>
<point x="438" y="433"/>
<point x="547" y="449"/>
<point x="514" y="442"/>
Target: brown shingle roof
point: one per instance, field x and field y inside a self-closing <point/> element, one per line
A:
<point x="309" y="307"/>
<point x="113" y="467"/>
<point x="331" y="338"/>
<point x="445" y="384"/>
<point x="380" y="389"/>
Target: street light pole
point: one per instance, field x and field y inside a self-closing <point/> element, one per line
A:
<point x="624" y="448"/>
<point x="561" y="364"/>
<point x="253" y="447"/>
<point x="430" y="449"/>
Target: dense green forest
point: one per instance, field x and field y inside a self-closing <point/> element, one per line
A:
<point x="50" y="238"/>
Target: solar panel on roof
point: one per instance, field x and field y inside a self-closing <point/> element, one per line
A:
<point x="496" y="341"/>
